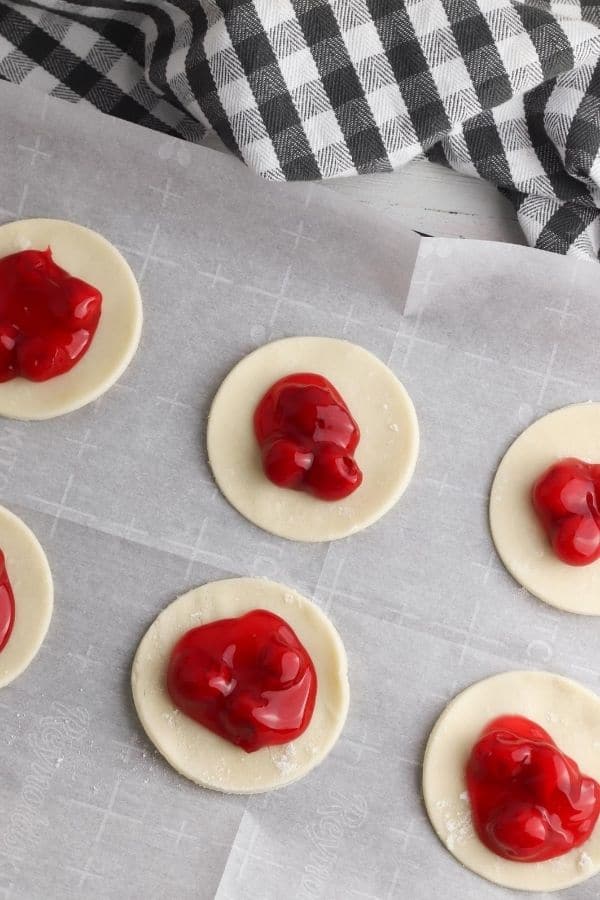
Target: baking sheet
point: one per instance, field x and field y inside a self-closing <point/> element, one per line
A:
<point x="120" y="496"/>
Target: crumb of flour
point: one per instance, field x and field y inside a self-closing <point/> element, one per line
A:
<point x="171" y="716"/>
<point x="457" y="820"/>
<point x="584" y="861"/>
<point x="284" y="759"/>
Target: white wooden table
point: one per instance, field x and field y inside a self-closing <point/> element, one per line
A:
<point x="436" y="201"/>
<point x="429" y="198"/>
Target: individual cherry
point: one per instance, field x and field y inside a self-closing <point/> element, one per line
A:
<point x="519" y="832"/>
<point x="576" y="540"/>
<point x="332" y="476"/>
<point x="285" y="464"/>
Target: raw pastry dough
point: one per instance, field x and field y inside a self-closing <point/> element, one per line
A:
<point x="387" y="452"/>
<point x="31" y="581"/>
<point x="196" y="752"/>
<point x="88" y="255"/>
<point x="520" y="540"/>
<point x="568" y="712"/>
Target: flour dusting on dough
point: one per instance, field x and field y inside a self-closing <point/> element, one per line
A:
<point x="459" y="827"/>
<point x="284" y="758"/>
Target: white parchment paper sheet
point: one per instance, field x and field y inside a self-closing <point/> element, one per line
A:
<point x="121" y="497"/>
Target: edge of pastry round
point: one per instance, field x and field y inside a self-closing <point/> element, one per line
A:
<point x="88" y="255"/>
<point x="31" y="581"/>
<point x="518" y="536"/>
<point x="387" y="451"/>
<point x="571" y="715"/>
<point x="206" y="758"/>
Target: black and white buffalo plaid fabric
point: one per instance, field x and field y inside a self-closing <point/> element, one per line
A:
<point x="304" y="89"/>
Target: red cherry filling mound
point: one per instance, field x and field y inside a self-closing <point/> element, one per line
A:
<point x="307" y="437"/>
<point x="565" y="498"/>
<point x="7" y="604"/>
<point x="47" y="317"/>
<point x="249" y="680"/>
<point x="529" y="801"/>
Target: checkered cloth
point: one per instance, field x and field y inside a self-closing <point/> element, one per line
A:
<point x="299" y="89"/>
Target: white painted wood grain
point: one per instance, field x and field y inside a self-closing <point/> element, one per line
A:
<point x="431" y="199"/>
<point x="437" y="201"/>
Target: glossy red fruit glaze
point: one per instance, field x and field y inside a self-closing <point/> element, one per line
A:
<point x="307" y="437"/>
<point x="565" y="498"/>
<point x="529" y="801"/>
<point x="7" y="604"/>
<point x="47" y="317"/>
<point x="249" y="680"/>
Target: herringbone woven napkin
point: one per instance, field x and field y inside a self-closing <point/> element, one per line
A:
<point x="299" y="89"/>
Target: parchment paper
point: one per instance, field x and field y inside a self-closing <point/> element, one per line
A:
<point x="121" y="497"/>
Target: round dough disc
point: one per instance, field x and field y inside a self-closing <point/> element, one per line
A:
<point x="520" y="540"/>
<point x="387" y="451"/>
<point x="89" y="256"/>
<point x="196" y="752"/>
<point x="571" y="716"/>
<point x="31" y="581"/>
